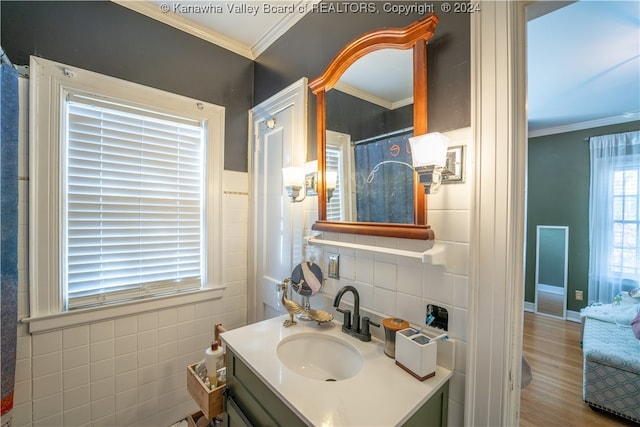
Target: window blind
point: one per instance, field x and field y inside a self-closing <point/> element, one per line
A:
<point x="334" y="205"/>
<point x="133" y="215"/>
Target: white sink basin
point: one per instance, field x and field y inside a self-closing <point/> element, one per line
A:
<point x="320" y="357"/>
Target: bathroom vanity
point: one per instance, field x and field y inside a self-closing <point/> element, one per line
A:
<point x="311" y="374"/>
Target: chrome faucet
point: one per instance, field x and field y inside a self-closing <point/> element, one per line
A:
<point x="349" y="326"/>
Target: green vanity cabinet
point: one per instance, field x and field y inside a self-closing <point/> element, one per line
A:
<point x="434" y="412"/>
<point x="251" y="403"/>
<point x="254" y="399"/>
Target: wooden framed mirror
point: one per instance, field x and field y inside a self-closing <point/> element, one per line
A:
<point x="412" y="38"/>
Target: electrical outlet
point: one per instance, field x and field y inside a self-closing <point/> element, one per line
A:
<point x="437" y="317"/>
<point x="334" y="266"/>
<point x="579" y="295"/>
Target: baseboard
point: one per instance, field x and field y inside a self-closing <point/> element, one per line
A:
<point x="572" y="316"/>
<point x="556" y="290"/>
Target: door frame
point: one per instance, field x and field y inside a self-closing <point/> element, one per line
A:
<point x="295" y="95"/>
<point x="498" y="215"/>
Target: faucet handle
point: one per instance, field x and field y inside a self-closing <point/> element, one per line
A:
<point x="365" y="327"/>
<point x="346" y="322"/>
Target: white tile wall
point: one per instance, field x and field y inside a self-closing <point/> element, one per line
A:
<point x="402" y="287"/>
<point x="129" y="371"/>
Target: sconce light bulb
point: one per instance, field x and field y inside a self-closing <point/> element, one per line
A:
<point x="429" y="149"/>
<point x="293" y="176"/>
<point x="429" y="154"/>
<point x="332" y="179"/>
<point x="293" y="179"/>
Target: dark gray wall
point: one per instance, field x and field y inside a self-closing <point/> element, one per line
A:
<point x="362" y="119"/>
<point x="307" y="49"/>
<point x="104" y="37"/>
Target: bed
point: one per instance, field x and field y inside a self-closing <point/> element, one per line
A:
<point x="611" y="375"/>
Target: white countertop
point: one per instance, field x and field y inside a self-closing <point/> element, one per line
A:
<point x="381" y="394"/>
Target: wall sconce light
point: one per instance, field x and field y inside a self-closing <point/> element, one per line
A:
<point x="294" y="181"/>
<point x="331" y="179"/>
<point x="311" y="178"/>
<point x="454" y="164"/>
<point x="302" y="182"/>
<point x="429" y="153"/>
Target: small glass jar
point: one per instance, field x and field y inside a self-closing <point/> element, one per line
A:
<point x="391" y="326"/>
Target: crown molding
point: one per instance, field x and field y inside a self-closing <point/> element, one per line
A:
<point x="607" y="121"/>
<point x="303" y="7"/>
<point x="153" y="11"/>
<point x="358" y="93"/>
<point x="402" y="103"/>
<point x="369" y="97"/>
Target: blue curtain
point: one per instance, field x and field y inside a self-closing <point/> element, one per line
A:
<point x="8" y="233"/>
<point x="385" y="180"/>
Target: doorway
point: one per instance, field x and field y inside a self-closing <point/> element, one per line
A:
<point x="557" y="198"/>
<point x="278" y="126"/>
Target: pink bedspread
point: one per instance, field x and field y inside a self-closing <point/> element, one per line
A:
<point x="635" y="326"/>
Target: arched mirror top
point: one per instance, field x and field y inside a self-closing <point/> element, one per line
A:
<point x="415" y="37"/>
<point x="384" y="38"/>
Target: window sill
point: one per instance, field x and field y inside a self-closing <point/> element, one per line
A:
<point x="95" y="314"/>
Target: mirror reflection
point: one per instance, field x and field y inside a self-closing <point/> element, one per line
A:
<point x="369" y="119"/>
<point x="551" y="270"/>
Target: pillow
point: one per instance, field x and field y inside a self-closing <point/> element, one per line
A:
<point x="635" y="326"/>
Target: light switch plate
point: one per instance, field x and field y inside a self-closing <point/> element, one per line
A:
<point x="334" y="266"/>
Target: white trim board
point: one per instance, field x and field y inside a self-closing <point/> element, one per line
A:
<point x="295" y="96"/>
<point x="152" y="10"/>
<point x="607" y="121"/>
<point x="551" y="289"/>
<point x="572" y="316"/>
<point x="97" y="314"/>
<point x="366" y="96"/>
<point x="496" y="253"/>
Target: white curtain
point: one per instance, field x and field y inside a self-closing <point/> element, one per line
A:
<point x="613" y="218"/>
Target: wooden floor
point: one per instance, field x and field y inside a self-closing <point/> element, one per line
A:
<point x="550" y="303"/>
<point x="554" y="396"/>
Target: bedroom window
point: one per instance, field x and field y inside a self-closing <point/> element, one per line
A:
<point x="614" y="217"/>
<point x="625" y="256"/>
<point x="125" y="193"/>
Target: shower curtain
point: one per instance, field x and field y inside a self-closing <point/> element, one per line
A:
<point x="384" y="177"/>
<point x="8" y="234"/>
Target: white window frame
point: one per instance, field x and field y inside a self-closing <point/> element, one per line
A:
<point x="341" y="142"/>
<point x="617" y="270"/>
<point x="49" y="82"/>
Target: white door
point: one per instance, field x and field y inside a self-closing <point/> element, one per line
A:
<point x="279" y="140"/>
